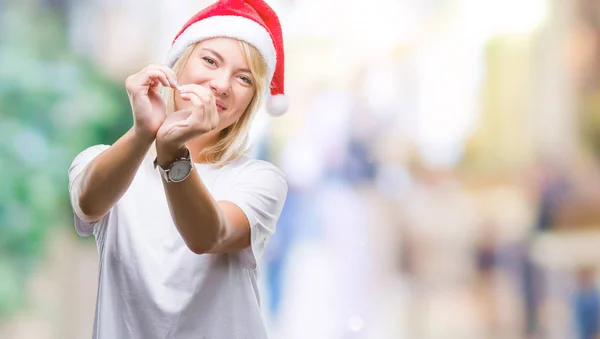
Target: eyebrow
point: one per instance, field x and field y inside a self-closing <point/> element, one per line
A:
<point x="220" y="57"/>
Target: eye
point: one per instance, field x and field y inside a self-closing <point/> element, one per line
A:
<point x="246" y="79"/>
<point x="210" y="61"/>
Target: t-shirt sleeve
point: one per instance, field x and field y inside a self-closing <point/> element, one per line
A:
<point x="260" y="190"/>
<point x="77" y="166"/>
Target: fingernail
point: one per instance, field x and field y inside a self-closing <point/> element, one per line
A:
<point x="175" y="83"/>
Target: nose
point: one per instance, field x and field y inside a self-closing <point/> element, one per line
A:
<point x="220" y="84"/>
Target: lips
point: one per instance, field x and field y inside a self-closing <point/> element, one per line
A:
<point x="220" y="105"/>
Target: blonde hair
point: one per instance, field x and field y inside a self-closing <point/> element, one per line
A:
<point x="233" y="140"/>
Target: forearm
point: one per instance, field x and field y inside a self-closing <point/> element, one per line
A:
<point x="109" y="175"/>
<point x="196" y="214"/>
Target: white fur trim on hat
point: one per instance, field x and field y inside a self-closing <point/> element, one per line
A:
<point x="231" y="26"/>
<point x="277" y="105"/>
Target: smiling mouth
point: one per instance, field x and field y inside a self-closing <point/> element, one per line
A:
<point x="220" y="106"/>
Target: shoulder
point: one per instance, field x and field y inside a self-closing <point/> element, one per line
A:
<point x="87" y="155"/>
<point x="258" y="187"/>
<point x="90" y="152"/>
<point x="96" y="149"/>
<point x="250" y="169"/>
<point x="256" y="178"/>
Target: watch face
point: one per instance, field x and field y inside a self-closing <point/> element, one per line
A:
<point x="180" y="170"/>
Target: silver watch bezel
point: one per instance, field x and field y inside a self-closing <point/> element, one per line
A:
<point x="166" y="173"/>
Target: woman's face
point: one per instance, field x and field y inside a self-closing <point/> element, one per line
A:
<point x="220" y="64"/>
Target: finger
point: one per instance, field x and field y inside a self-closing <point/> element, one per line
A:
<point x="169" y="73"/>
<point x="211" y="116"/>
<point x="215" y="119"/>
<point x="206" y="118"/>
<point x="193" y="98"/>
<point x="208" y="100"/>
<point x="201" y="92"/>
<point x="197" y="107"/>
<point x="195" y="88"/>
<point x="152" y="77"/>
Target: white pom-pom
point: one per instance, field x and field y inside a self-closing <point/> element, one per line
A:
<point x="277" y="105"/>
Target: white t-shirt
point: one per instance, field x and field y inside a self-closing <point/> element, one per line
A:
<point x="151" y="285"/>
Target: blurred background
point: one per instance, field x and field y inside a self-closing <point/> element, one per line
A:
<point x="442" y="159"/>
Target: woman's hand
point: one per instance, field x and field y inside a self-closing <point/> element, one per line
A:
<point x="149" y="108"/>
<point x="181" y="126"/>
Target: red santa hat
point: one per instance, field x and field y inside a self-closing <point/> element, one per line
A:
<point x="252" y="21"/>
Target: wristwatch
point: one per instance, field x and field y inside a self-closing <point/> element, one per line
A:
<point x="178" y="170"/>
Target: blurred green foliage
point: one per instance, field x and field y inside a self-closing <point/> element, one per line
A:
<point x="53" y="104"/>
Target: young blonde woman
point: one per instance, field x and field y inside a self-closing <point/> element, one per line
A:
<point x="180" y="214"/>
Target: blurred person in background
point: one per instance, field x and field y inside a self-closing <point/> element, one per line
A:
<point x="553" y="188"/>
<point x="180" y="213"/>
<point x="586" y="304"/>
<point x="487" y="263"/>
